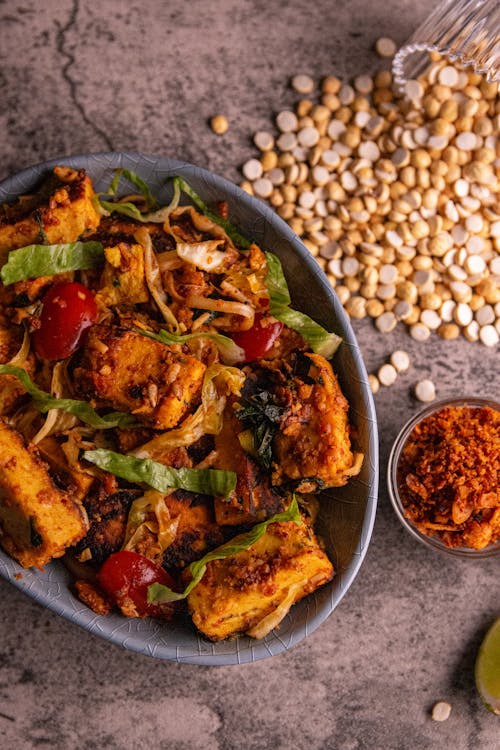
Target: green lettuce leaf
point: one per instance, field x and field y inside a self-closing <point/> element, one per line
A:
<point x="319" y="339"/>
<point x="276" y="282"/>
<point x="158" y="593"/>
<point x="230" y="352"/>
<point x="126" y="209"/>
<point x="160" y="477"/>
<point x="32" y="261"/>
<point x="44" y="402"/>
<point x="139" y="183"/>
<point x="158" y="216"/>
<point x="229" y="228"/>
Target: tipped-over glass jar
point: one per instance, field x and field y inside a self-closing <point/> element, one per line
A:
<point x="465" y="31"/>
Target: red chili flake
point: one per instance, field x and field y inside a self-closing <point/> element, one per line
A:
<point x="449" y="476"/>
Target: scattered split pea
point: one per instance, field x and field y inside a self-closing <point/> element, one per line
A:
<point x="396" y="194"/>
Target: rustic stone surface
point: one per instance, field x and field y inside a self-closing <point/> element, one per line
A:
<point x="80" y="77"/>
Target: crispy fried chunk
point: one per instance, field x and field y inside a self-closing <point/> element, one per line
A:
<point x="253" y="590"/>
<point x="108" y="520"/>
<point x="123" y="281"/>
<point x="127" y="371"/>
<point x="313" y="445"/>
<point x="296" y="417"/>
<point x="37" y="521"/>
<point x="61" y="211"/>
<point x="93" y="597"/>
<point x="197" y="532"/>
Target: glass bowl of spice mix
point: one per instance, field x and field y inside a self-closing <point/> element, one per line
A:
<point x="444" y="476"/>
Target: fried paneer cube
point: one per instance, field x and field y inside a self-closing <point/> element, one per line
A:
<point x="252" y="591"/>
<point x="122" y="369"/>
<point x="107" y="513"/>
<point x="313" y="445"/>
<point x="123" y="281"/>
<point x="61" y="211"/>
<point x="37" y="520"/>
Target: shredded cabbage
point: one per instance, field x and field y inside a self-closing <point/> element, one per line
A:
<point x="270" y="621"/>
<point x="20" y="356"/>
<point x="150" y="528"/>
<point x="204" y="255"/>
<point x="219" y="381"/>
<point x="127" y="208"/>
<point x="153" y="278"/>
<point x="224" y="306"/>
<point x="56" y="420"/>
<point x="230" y="230"/>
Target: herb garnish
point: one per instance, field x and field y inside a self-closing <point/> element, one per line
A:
<point x="262" y="415"/>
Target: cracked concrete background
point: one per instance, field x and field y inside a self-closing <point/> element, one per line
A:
<point x="80" y="77"/>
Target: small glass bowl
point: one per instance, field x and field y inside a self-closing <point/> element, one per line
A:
<point x="434" y="542"/>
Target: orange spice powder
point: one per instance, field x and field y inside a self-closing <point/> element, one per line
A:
<point x="449" y="476"/>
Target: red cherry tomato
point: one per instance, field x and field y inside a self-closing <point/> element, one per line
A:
<point x="259" y="338"/>
<point x="68" y="309"/>
<point x="126" y="575"/>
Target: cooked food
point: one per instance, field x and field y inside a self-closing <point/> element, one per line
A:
<point x="254" y="589"/>
<point x="59" y="212"/>
<point x="448" y="476"/>
<point x="166" y="414"/>
<point x="124" y="370"/>
<point x="37" y="520"/>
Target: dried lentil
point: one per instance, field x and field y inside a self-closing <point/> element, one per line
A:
<point x="219" y="124"/>
<point x="417" y="177"/>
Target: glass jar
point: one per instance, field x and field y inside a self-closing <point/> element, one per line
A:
<point x="465" y="31"/>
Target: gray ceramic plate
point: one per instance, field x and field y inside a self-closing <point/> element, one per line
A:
<point x="348" y="514"/>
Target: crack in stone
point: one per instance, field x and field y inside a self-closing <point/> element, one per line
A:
<point x="6" y="716"/>
<point x="61" y="48"/>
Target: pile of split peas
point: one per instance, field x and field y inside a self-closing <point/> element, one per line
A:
<point x="397" y="196"/>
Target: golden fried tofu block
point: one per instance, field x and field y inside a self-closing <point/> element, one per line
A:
<point x="253" y="590"/>
<point x="37" y="520"/>
<point x="123" y="281"/>
<point x="59" y="212"/>
<point x="313" y="443"/>
<point x="129" y="372"/>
